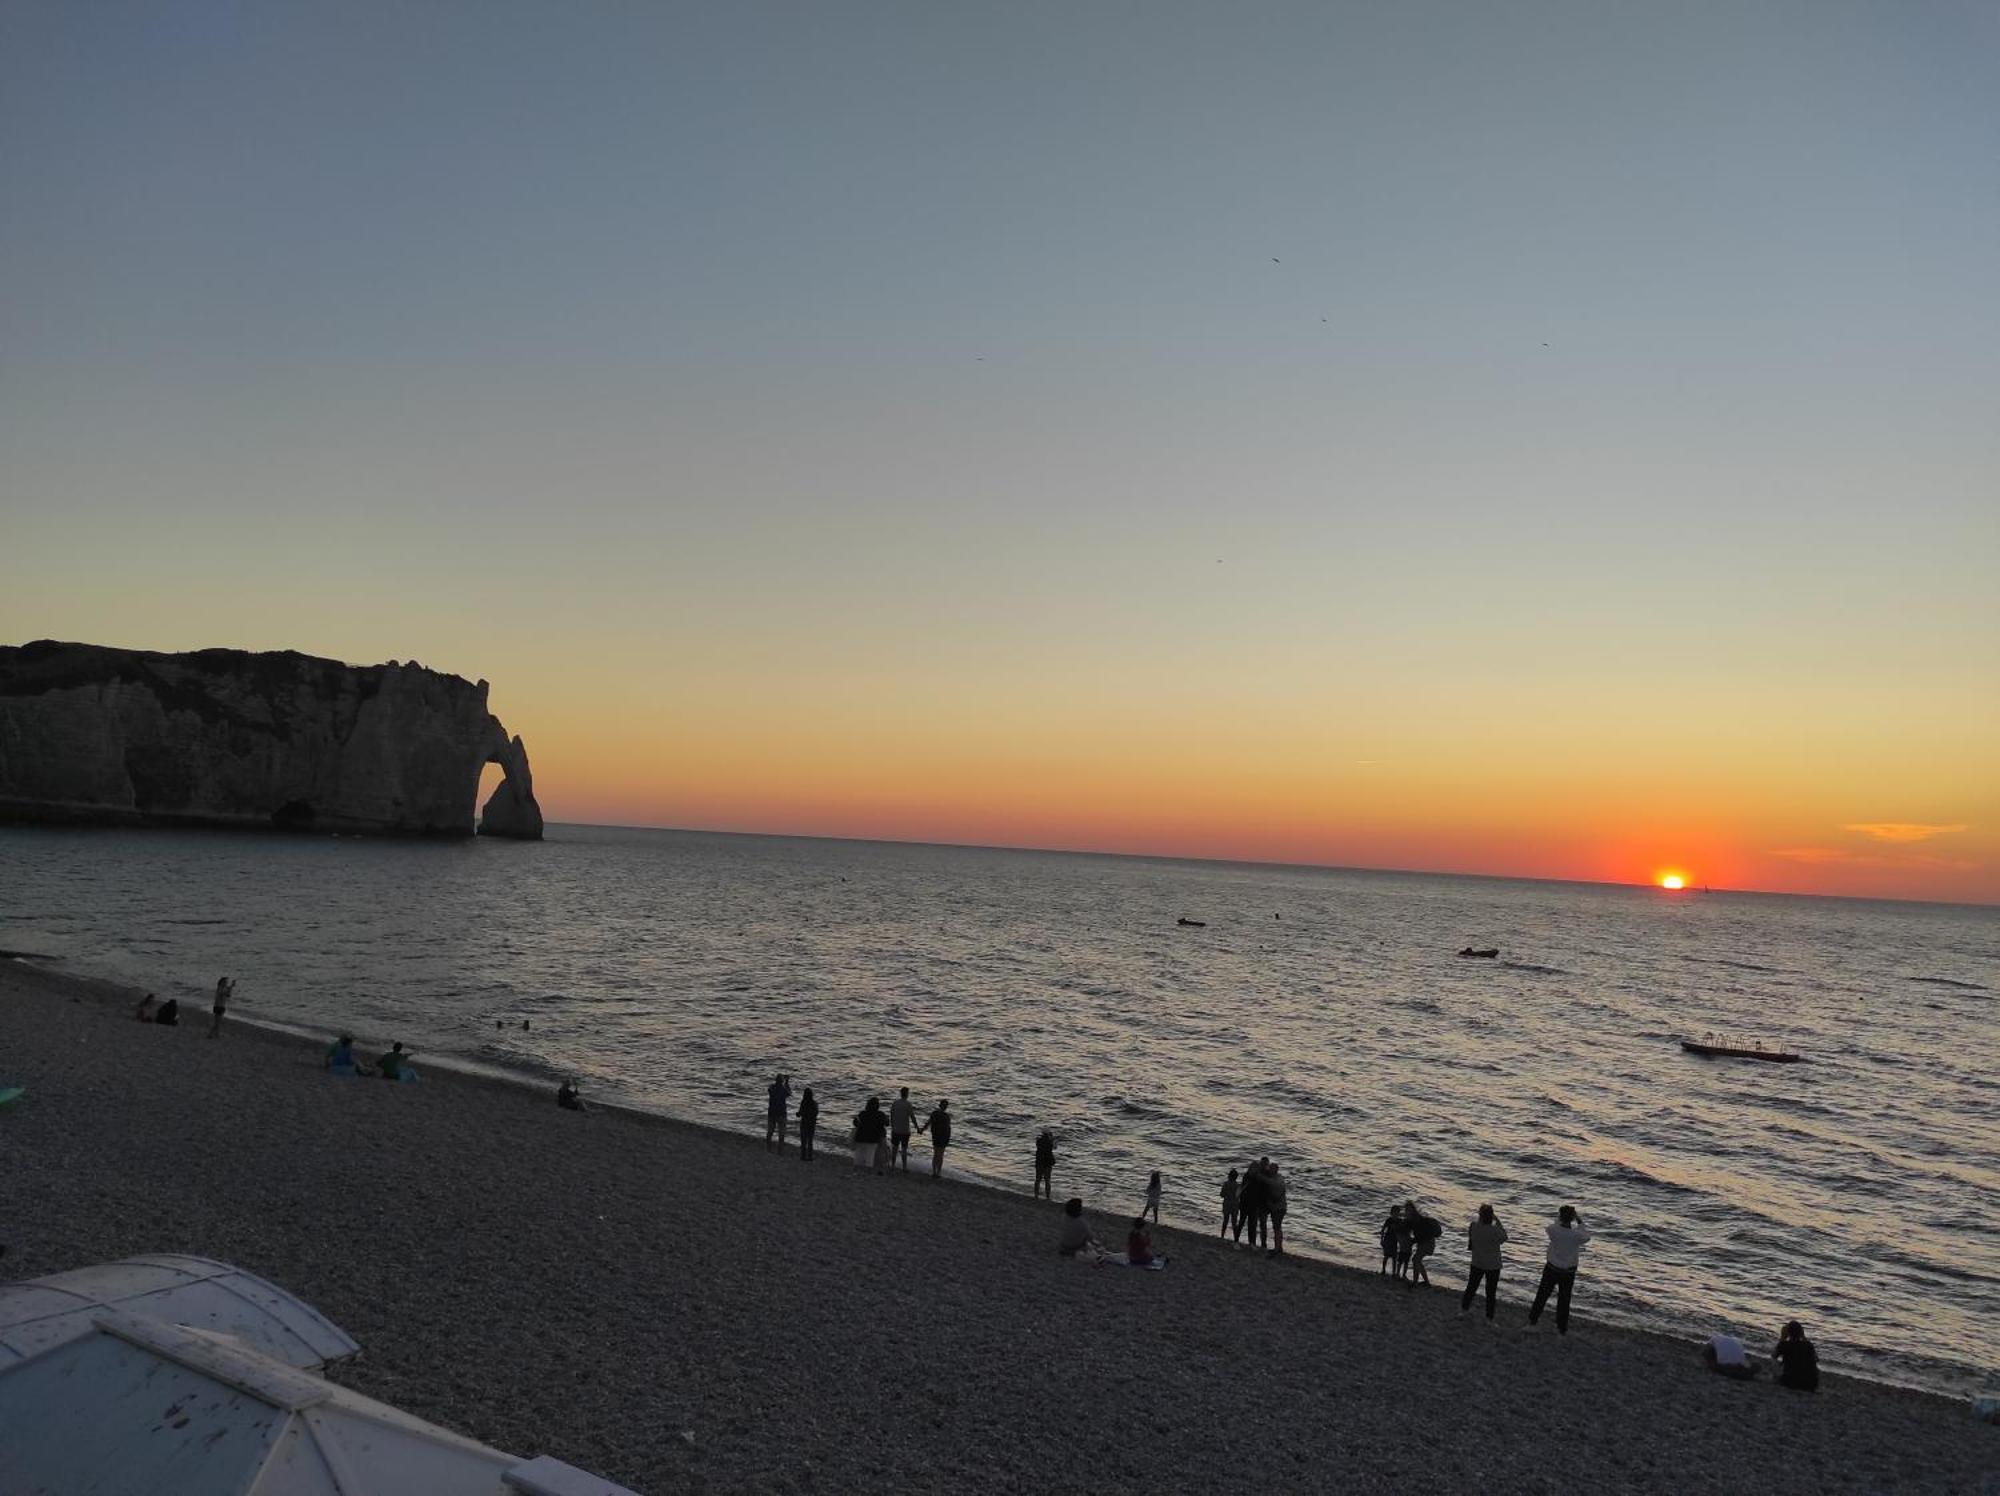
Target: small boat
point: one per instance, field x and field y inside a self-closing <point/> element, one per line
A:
<point x="1486" y="955"/>
<point x="1735" y="1052"/>
<point x="1192" y="924"/>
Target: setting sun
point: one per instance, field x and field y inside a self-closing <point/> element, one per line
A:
<point x="1672" y="880"/>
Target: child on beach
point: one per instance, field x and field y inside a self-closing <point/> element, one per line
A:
<point x="569" y="1098"/>
<point x="395" y="1065"/>
<point x="1045" y="1165"/>
<point x="1229" y="1216"/>
<point x="225" y="989"/>
<point x="1153" y="1198"/>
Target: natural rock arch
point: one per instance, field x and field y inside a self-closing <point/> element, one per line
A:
<point x="511" y="810"/>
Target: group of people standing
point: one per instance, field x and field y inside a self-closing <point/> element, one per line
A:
<point x="1255" y="1199"/>
<point x="880" y="1138"/>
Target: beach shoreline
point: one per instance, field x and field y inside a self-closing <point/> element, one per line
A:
<point x="596" y="1287"/>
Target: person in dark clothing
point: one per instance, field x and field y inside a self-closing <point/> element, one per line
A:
<point x="1045" y="1165"/>
<point x="871" y="1127"/>
<point x="1232" y="1189"/>
<point x="938" y="1125"/>
<point x="777" y="1101"/>
<point x="568" y="1098"/>
<point x="170" y="1013"/>
<point x="808" y="1124"/>
<point x="1395" y="1242"/>
<point x="1253" y="1204"/>
<point x="1798" y="1361"/>
<point x="1424" y="1233"/>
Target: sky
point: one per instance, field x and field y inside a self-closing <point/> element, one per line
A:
<point x="1557" y="440"/>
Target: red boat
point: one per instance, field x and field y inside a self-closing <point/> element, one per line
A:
<point x="1731" y="1052"/>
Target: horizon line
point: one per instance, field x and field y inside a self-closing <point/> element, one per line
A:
<point x="1317" y="867"/>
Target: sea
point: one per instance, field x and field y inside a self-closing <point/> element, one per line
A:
<point x="1322" y="1017"/>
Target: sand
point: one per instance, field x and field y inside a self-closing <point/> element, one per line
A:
<point x="675" y="1309"/>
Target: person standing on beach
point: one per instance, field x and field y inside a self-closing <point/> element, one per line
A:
<point x="225" y="988"/>
<point x="938" y="1125"/>
<point x="777" y="1103"/>
<point x="1566" y="1238"/>
<point x="1152" y="1206"/>
<point x="1045" y="1165"/>
<point x="1483" y="1238"/>
<point x="1274" y="1193"/>
<point x="1253" y="1203"/>
<point x="871" y="1127"/>
<point x="808" y="1124"/>
<point x="902" y="1117"/>
<point x="1394" y="1234"/>
<point x="1229" y="1216"/>
<point x="1424" y="1233"/>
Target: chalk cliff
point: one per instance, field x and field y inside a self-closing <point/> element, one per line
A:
<point x="222" y="737"/>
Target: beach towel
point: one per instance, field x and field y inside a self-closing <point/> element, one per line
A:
<point x="1121" y="1260"/>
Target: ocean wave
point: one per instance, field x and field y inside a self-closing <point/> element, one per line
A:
<point x="1953" y="983"/>
<point x="1546" y="971"/>
<point x="521" y="1062"/>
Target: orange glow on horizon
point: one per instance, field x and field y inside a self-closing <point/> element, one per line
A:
<point x="1672" y="881"/>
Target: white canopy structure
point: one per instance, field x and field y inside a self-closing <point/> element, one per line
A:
<point x="124" y="1403"/>
<point x="194" y="1291"/>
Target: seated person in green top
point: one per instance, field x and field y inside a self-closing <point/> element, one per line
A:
<point x="395" y="1065"/>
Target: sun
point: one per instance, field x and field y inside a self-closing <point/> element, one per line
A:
<point x="1672" y="880"/>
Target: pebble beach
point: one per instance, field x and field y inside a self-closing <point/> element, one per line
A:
<point x="676" y="1309"/>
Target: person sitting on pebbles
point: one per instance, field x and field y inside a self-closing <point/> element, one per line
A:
<point x="146" y="1005"/>
<point x="569" y="1098"/>
<point x="1139" y="1244"/>
<point x="340" y="1057"/>
<point x="1076" y="1240"/>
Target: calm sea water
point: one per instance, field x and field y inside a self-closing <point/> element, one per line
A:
<point x="1321" y="1017"/>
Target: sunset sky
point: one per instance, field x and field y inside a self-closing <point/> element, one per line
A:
<point x="1553" y="439"/>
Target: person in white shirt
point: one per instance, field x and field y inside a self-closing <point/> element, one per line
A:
<point x="902" y="1118"/>
<point x="1725" y="1353"/>
<point x="1566" y="1238"/>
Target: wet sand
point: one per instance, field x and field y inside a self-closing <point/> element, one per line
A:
<point x="675" y="1309"/>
